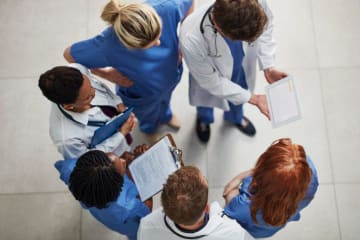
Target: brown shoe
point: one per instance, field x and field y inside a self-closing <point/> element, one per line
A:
<point x="174" y="123"/>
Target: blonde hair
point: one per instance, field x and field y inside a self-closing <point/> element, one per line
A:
<point x="135" y="24"/>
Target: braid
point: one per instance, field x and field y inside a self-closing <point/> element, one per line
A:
<point x="94" y="180"/>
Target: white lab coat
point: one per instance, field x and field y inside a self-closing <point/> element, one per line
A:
<point x="211" y="84"/>
<point x="219" y="226"/>
<point x="72" y="139"/>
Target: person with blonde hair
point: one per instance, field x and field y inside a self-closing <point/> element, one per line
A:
<point x="264" y="199"/>
<point x="141" y="47"/>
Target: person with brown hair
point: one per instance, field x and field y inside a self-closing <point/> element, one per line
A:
<point x="186" y="213"/>
<point x="221" y="42"/>
<point x="264" y="199"/>
<point x="141" y="46"/>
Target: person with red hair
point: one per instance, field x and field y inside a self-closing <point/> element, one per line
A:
<point x="265" y="198"/>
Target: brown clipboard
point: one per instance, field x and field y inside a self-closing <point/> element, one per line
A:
<point x="173" y="144"/>
<point x="142" y="170"/>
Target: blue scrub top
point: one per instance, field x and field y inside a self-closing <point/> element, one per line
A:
<point x="122" y="215"/>
<point x="237" y="52"/>
<point x="155" y="71"/>
<point x="239" y="207"/>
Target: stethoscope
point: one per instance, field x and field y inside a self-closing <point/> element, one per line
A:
<point x="207" y="14"/>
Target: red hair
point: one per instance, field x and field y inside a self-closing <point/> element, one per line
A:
<point x="280" y="180"/>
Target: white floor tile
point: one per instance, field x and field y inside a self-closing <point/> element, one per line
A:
<point x="337" y="32"/>
<point x="26" y="151"/>
<point x="349" y="210"/>
<point x="294" y="34"/>
<point x="39" y="216"/>
<point x="35" y="33"/>
<point x="341" y="90"/>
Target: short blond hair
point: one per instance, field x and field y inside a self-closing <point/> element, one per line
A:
<point x="135" y="24"/>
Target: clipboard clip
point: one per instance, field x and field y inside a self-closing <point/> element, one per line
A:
<point x="177" y="154"/>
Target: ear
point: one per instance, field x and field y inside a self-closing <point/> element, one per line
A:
<point x="68" y="107"/>
<point x="207" y="208"/>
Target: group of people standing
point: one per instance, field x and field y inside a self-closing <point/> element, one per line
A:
<point x="142" y="54"/>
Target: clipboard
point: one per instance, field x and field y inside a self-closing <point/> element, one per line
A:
<point x="110" y="127"/>
<point x="283" y="102"/>
<point x="151" y="169"/>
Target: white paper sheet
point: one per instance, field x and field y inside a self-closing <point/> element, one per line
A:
<point x="151" y="169"/>
<point x="283" y="102"/>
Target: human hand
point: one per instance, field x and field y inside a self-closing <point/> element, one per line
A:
<point x="235" y="182"/>
<point x="149" y="203"/>
<point x="121" y="107"/>
<point x="113" y="75"/>
<point x="261" y="102"/>
<point x="140" y="149"/>
<point x="129" y="125"/>
<point x="273" y="75"/>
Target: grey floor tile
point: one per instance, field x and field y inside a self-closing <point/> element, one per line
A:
<point x="294" y="34"/>
<point x="95" y="24"/>
<point x="337" y="32"/>
<point x="343" y="117"/>
<point x="349" y="210"/>
<point x="26" y="151"/>
<point x="91" y="229"/>
<point x="39" y="217"/>
<point x="35" y="33"/>
<point x="318" y="220"/>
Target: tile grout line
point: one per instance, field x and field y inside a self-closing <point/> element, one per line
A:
<point x="317" y="54"/>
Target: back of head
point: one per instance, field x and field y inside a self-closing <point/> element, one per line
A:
<point x="61" y="85"/>
<point x="280" y="180"/>
<point x="94" y="180"/>
<point x="135" y="24"/>
<point x="240" y="19"/>
<point x="185" y="195"/>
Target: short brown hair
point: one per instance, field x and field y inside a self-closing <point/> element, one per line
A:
<point x="281" y="178"/>
<point x="240" y="19"/>
<point x="185" y="195"/>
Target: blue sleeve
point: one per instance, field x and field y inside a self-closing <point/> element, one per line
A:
<point x="183" y="7"/>
<point x="239" y="207"/>
<point x="90" y="52"/>
<point x="65" y="168"/>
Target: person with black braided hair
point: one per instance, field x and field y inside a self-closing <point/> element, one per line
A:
<point x="101" y="183"/>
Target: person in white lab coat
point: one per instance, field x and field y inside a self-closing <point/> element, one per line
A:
<point x="81" y="104"/>
<point x="220" y="43"/>
<point x="186" y="213"/>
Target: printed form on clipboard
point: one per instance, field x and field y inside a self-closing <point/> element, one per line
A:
<point x="283" y="102"/>
<point x="151" y="169"/>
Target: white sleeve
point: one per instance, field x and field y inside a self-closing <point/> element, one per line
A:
<point x="208" y="77"/>
<point x="116" y="144"/>
<point x="75" y="147"/>
<point x="266" y="42"/>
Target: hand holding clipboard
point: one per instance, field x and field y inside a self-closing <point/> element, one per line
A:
<point x="151" y="169"/>
<point x="110" y="128"/>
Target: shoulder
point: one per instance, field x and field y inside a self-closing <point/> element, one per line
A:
<point x="65" y="168"/>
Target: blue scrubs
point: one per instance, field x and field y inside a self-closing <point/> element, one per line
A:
<point x="122" y="215"/>
<point x="154" y="71"/>
<point x="235" y="114"/>
<point x="239" y="208"/>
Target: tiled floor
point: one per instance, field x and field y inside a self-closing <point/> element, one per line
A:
<point x="318" y="43"/>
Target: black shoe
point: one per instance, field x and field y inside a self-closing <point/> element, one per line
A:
<point x="202" y="131"/>
<point x="248" y="129"/>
